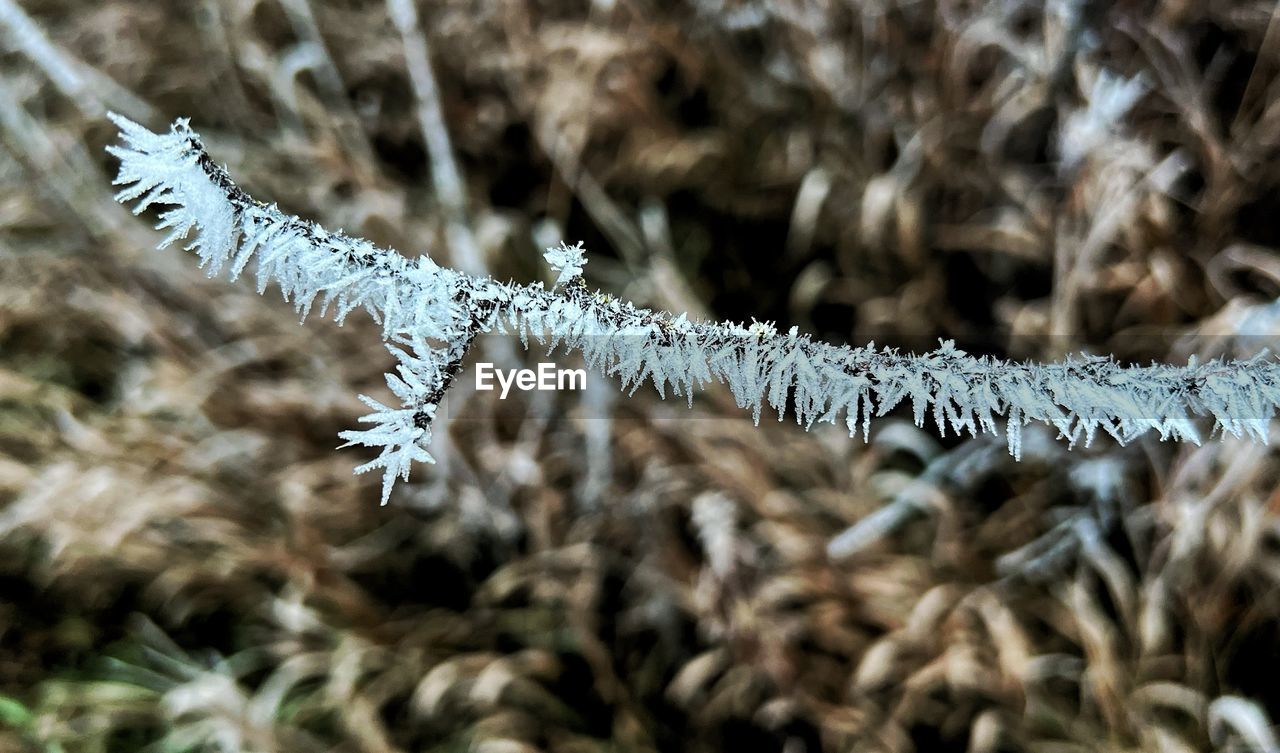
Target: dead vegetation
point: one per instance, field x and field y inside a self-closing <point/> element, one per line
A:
<point x="185" y="562"/>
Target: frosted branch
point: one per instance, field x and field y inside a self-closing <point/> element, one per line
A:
<point x="436" y="312"/>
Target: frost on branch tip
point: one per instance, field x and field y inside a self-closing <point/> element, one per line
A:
<point x="430" y="315"/>
<point x="567" y="260"/>
<point x="402" y="433"/>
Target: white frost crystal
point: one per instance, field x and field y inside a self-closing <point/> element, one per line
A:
<point x="568" y="260"/>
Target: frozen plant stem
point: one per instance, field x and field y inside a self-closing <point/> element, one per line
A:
<point x="430" y="315"/>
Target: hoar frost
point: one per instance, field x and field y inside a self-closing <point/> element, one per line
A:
<point x="430" y="315"/>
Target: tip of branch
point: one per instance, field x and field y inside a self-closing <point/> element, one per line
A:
<point x="567" y="260"/>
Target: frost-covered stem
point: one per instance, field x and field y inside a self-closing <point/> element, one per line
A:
<point x="446" y="178"/>
<point x="426" y="310"/>
<point x="457" y="354"/>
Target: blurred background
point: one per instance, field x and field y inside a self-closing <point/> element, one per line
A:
<point x="186" y="564"/>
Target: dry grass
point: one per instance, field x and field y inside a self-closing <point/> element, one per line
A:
<point x="185" y="562"/>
